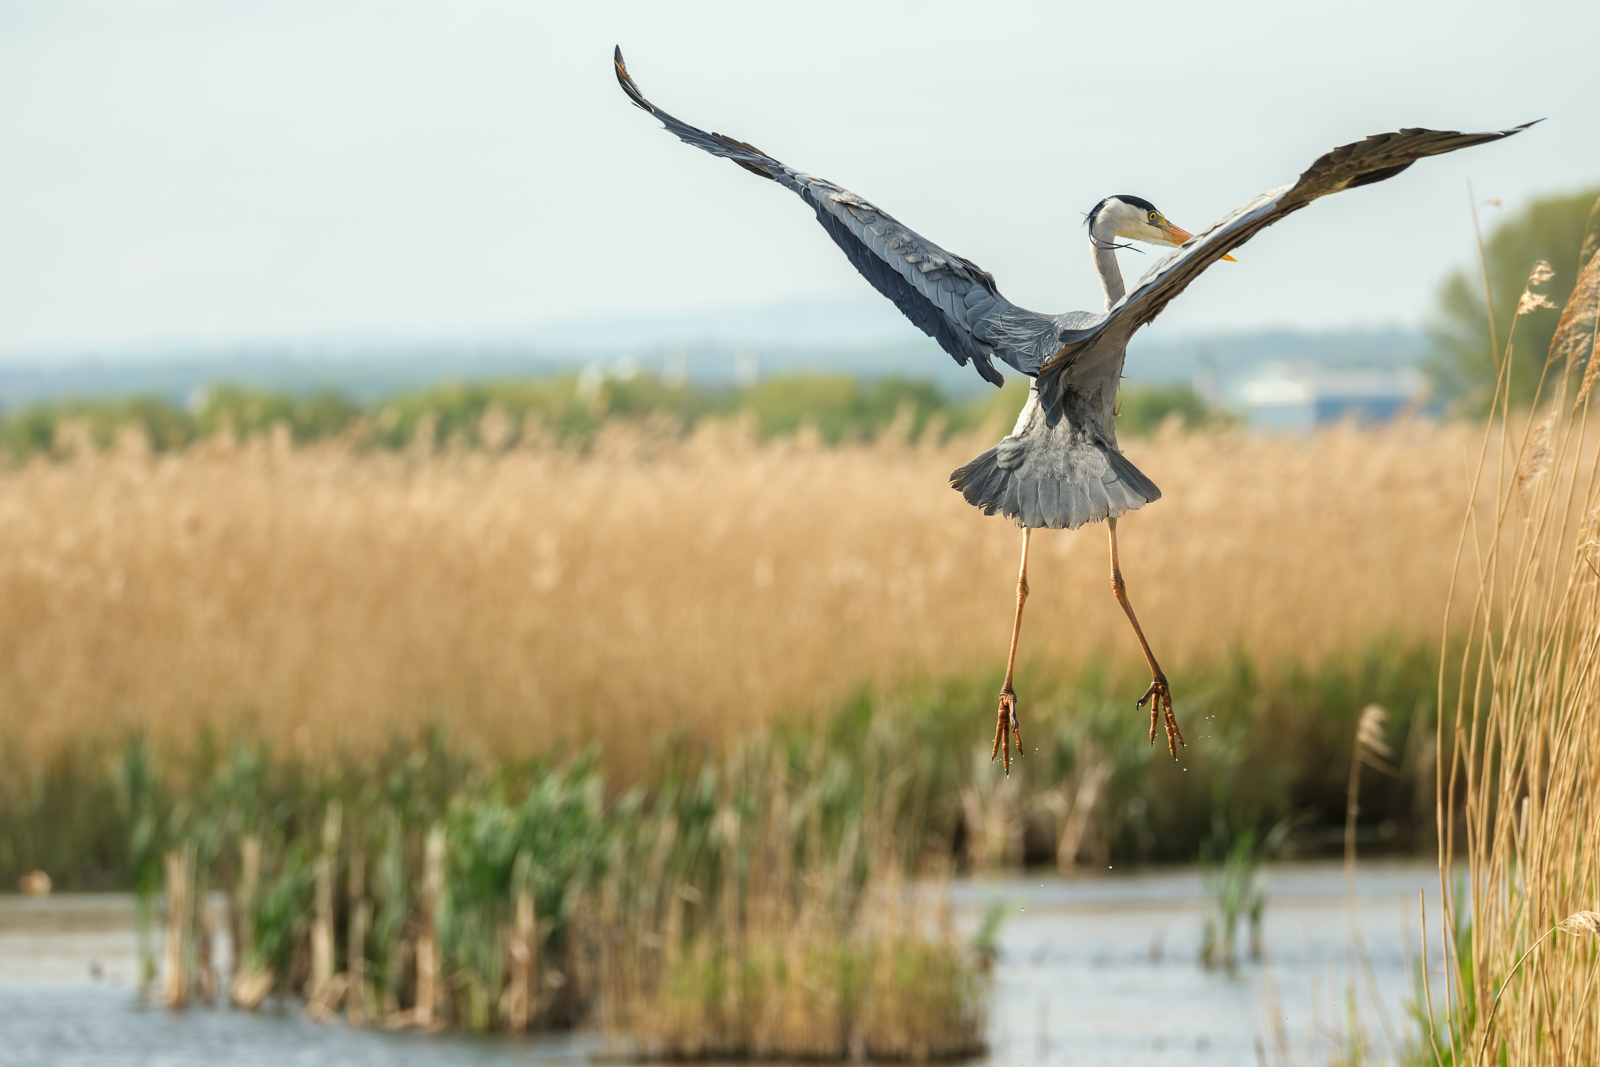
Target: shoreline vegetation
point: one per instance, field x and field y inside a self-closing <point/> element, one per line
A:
<point x="782" y="896"/>
<point x="755" y="908"/>
<point x="755" y="903"/>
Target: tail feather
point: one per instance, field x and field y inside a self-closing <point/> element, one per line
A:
<point x="1011" y="500"/>
<point x="1032" y="505"/>
<point x="1132" y="479"/>
<point x="1100" y="483"/>
<point x="975" y="478"/>
<point x="1050" y="497"/>
<point x="992" y="483"/>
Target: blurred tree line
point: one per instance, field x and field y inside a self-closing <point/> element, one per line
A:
<point x="1464" y="365"/>
<point x="567" y="411"/>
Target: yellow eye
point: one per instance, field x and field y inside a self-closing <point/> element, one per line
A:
<point x="1152" y="216"/>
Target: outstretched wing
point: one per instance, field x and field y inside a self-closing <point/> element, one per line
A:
<point x="1362" y="163"/>
<point x="949" y="298"/>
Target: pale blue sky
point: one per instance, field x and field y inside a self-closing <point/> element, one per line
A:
<point x="201" y="173"/>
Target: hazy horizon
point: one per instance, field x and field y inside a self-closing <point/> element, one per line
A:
<point x="862" y="337"/>
<point x="845" y="321"/>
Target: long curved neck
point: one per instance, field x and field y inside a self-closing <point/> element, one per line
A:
<point x="1101" y="238"/>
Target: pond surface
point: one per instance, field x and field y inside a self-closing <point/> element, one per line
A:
<point x="1093" y="970"/>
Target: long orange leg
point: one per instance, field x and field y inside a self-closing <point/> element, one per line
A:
<point x="1159" y="696"/>
<point x="1006" y="729"/>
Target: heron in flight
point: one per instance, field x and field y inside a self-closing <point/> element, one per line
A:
<point x="1060" y="467"/>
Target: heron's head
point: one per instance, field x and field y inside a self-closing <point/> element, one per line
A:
<point x="1133" y="218"/>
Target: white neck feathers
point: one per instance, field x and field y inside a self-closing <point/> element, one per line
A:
<point x="1102" y="239"/>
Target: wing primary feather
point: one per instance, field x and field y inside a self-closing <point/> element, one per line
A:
<point x="747" y="156"/>
<point x="1373" y="177"/>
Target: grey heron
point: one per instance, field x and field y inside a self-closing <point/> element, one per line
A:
<point x="1060" y="467"/>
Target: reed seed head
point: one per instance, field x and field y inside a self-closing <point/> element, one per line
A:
<point x="1538" y="456"/>
<point x="1580" y="923"/>
<point x="1574" y="339"/>
<point x="1369" y="731"/>
<point x="1532" y="301"/>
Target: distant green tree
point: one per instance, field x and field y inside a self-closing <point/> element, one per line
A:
<point x="1462" y="366"/>
<point x="1142" y="409"/>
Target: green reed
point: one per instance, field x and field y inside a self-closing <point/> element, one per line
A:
<point x="756" y="901"/>
<point x="100" y="813"/>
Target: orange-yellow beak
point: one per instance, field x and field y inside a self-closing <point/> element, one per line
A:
<point x="1178" y="235"/>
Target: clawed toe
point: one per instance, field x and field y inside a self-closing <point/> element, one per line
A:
<point x="1006" y="730"/>
<point x="1159" y="697"/>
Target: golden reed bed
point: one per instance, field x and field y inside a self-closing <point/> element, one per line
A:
<point x="326" y="597"/>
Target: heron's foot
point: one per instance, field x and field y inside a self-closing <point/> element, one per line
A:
<point x="1006" y="731"/>
<point x="1159" y="697"/>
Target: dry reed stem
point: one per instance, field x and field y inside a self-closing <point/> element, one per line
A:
<point x="1523" y="781"/>
<point x="177" y="948"/>
<point x="326" y="598"/>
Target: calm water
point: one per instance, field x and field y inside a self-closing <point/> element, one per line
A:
<point x="1095" y="970"/>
